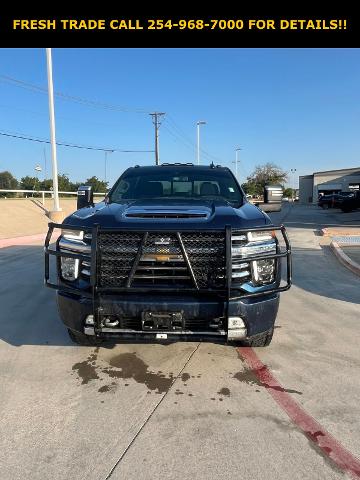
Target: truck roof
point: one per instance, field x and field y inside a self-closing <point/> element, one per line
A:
<point x="185" y="166"/>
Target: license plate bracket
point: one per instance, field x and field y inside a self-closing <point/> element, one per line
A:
<point x="162" y="321"/>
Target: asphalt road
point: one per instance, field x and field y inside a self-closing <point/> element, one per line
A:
<point x="185" y="410"/>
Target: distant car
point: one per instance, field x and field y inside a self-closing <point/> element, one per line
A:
<point x="350" y="202"/>
<point x="330" y="201"/>
<point x="334" y="200"/>
<point x="285" y="199"/>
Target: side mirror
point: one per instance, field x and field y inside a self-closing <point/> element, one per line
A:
<point x="273" y="195"/>
<point x="84" y="196"/>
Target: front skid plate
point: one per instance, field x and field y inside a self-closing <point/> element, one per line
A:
<point x="180" y="335"/>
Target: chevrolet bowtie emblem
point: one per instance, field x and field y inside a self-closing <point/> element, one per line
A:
<point x="162" y="241"/>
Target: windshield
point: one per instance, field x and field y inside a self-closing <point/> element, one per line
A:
<point x="176" y="183"/>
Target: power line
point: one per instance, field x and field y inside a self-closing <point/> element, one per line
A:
<point x="21" y="136"/>
<point x="180" y="132"/>
<point x="83" y="101"/>
<point x="189" y="144"/>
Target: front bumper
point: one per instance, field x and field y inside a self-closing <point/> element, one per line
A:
<point x="203" y="311"/>
<point x="258" y="314"/>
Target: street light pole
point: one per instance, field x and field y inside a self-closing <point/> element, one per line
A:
<point x="200" y="122"/>
<point x="236" y="161"/>
<point x="293" y="170"/>
<point x="52" y="130"/>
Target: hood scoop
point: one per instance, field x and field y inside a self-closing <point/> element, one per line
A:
<point x="166" y="213"/>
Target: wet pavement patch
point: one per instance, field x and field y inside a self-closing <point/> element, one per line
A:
<point x="185" y="377"/>
<point x="128" y="365"/>
<point x="86" y="370"/>
<point x="224" y="391"/>
<point x="104" y="388"/>
<point x="122" y="366"/>
<point x="249" y="376"/>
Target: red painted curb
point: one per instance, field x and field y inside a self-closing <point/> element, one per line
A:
<point x="330" y="232"/>
<point x="10" y="242"/>
<point x="305" y="422"/>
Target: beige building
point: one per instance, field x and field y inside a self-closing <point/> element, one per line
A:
<point x="331" y="181"/>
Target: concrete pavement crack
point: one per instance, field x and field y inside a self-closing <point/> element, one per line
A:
<point x="150" y="415"/>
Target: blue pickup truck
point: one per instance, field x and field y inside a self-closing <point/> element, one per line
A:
<point x="173" y="252"/>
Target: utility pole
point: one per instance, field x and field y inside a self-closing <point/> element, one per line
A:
<point x="52" y="131"/>
<point x="155" y="117"/>
<point x="200" y="122"/>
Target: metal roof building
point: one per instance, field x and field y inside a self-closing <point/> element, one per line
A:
<point x="329" y="181"/>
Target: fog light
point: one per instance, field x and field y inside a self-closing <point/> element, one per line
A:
<point x="89" y="320"/>
<point x="69" y="268"/>
<point x="236" y="328"/>
<point x="263" y="271"/>
<point x="110" y="323"/>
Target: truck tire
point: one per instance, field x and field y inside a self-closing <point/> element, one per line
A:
<point x="82" y="339"/>
<point x="260" y="340"/>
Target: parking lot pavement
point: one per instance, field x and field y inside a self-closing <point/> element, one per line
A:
<point x="352" y="252"/>
<point x="184" y="410"/>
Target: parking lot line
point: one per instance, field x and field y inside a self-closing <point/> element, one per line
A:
<point x="305" y="422"/>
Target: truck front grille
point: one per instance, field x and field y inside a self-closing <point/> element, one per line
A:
<point x="161" y="263"/>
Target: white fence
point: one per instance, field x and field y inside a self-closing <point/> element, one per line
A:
<point x="43" y="192"/>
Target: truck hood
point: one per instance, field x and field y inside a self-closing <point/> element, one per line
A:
<point x="182" y="215"/>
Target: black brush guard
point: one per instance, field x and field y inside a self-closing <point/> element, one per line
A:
<point x="95" y="290"/>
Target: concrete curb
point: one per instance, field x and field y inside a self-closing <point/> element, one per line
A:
<point x="11" y="242"/>
<point x="344" y="259"/>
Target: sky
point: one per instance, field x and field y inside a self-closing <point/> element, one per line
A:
<point x="297" y="108"/>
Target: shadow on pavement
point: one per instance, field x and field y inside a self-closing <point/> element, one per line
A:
<point x="28" y="311"/>
<point x="319" y="272"/>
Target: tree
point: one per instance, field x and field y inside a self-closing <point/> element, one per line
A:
<point x="8" y="182"/>
<point x="250" y="188"/>
<point x="97" y="184"/>
<point x="288" y="192"/>
<point x="29" y="183"/>
<point x="262" y="175"/>
<point x="64" y="184"/>
<point x="46" y="184"/>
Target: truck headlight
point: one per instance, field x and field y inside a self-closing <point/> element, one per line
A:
<point x="73" y="234"/>
<point x="256" y="243"/>
<point x="263" y="271"/>
<point x="69" y="268"/>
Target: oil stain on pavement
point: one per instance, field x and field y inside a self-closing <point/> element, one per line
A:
<point x="224" y="391"/>
<point x="128" y="365"/>
<point x="123" y="366"/>
<point x="86" y="370"/>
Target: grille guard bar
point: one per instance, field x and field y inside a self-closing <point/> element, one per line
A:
<point x="96" y="290"/>
<point x="94" y="263"/>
